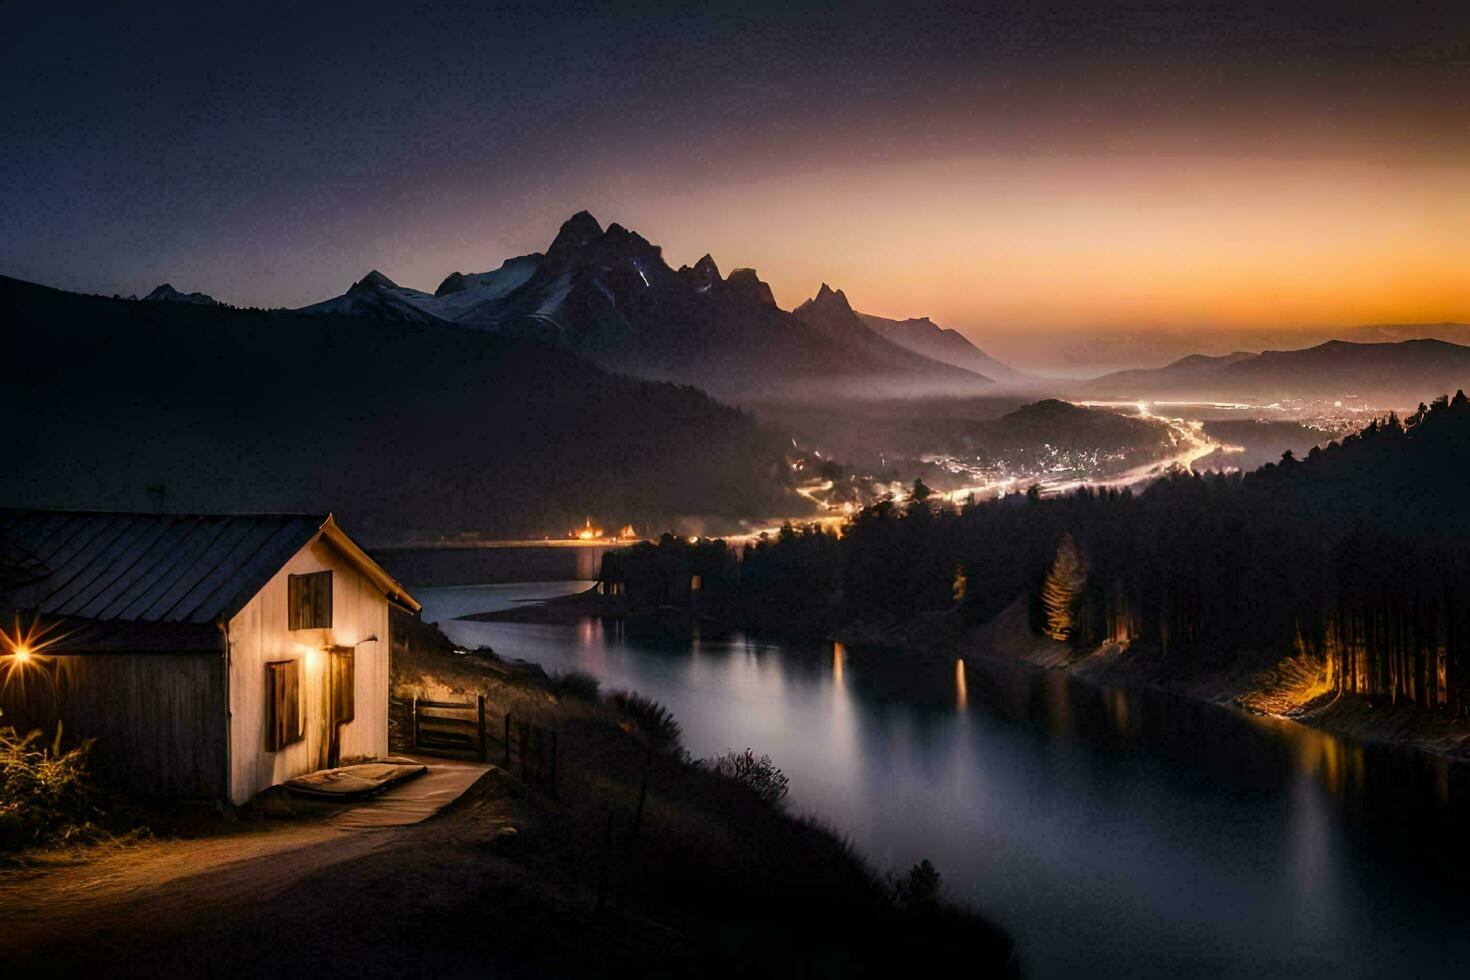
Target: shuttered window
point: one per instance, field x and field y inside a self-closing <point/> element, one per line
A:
<point x="309" y="601"/>
<point x="283" y="723"/>
<point x="344" y="686"/>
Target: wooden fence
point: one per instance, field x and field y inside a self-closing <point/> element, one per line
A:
<point x="458" y="727"/>
<point x="450" y="726"/>
<point x="533" y="748"/>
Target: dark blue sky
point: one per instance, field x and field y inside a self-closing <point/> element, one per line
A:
<point x="272" y="153"/>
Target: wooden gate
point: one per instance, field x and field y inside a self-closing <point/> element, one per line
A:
<point x="454" y="727"/>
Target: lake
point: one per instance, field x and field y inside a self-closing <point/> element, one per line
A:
<point x="1112" y="832"/>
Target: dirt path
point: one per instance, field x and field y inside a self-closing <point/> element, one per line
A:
<point x="135" y="890"/>
<point x="132" y="886"/>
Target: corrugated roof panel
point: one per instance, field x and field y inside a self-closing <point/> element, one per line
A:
<point x="204" y="564"/>
<point x="250" y="573"/>
<point x="78" y="560"/>
<point x="132" y="539"/>
<point x="141" y="569"/>
<point x="201" y="534"/>
<point x="56" y="549"/>
<point x="231" y="568"/>
<point x="150" y="567"/>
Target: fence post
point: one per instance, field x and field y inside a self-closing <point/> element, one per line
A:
<point x="507" y="740"/>
<point x="524" y="736"/>
<point x="415" y="721"/>
<point x="642" y="792"/>
<point x="602" y="867"/>
<point x="480" y="730"/>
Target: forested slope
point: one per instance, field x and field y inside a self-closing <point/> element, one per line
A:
<point x="399" y="428"/>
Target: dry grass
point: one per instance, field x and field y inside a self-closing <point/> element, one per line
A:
<point x="1288" y="687"/>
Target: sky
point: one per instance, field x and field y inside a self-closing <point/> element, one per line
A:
<point x="1027" y="173"/>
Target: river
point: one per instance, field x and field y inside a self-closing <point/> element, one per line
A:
<point x="1113" y="833"/>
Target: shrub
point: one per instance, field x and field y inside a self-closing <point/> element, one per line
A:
<point x="756" y="773"/>
<point x="648" y="717"/>
<point x="44" y="798"/>
<point x="575" y="684"/>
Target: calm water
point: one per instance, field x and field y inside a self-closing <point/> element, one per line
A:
<point x="1113" y="833"/>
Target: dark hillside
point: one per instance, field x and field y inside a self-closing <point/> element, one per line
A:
<point x="400" y="428"/>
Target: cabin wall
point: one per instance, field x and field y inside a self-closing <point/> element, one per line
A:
<point x="157" y="717"/>
<point x="258" y="635"/>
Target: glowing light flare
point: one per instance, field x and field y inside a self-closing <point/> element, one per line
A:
<point x="961" y="689"/>
<point x="587" y="532"/>
<point x="26" y="642"/>
<point x="20" y="651"/>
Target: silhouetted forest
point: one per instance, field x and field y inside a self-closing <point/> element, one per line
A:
<point x="399" y="428"/>
<point x="1355" y="556"/>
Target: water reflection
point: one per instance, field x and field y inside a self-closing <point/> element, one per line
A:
<point x="1171" y="838"/>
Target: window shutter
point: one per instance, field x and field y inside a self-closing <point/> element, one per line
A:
<point x="309" y="601"/>
<point x="344" y="691"/>
<point x="283" y="704"/>
<point x="296" y="601"/>
<point x="322" y="603"/>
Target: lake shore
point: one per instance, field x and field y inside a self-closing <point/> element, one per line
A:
<point x="1256" y="685"/>
<point x="1289" y="689"/>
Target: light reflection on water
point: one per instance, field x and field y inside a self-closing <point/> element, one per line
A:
<point x="1114" y="832"/>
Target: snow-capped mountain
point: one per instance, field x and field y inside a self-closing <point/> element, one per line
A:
<point x="609" y="294"/>
<point x="376" y="295"/>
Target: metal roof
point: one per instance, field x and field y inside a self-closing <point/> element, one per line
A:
<point x="150" y="568"/>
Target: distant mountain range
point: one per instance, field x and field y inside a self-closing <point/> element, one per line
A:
<point x="1383" y="374"/>
<point x="609" y="295"/>
<point x="1088" y="352"/>
<point x="401" y="428"/>
<point x="922" y="335"/>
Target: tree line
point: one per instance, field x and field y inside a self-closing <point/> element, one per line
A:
<point x="1355" y="556"/>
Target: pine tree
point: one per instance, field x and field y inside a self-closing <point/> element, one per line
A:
<point x="1063" y="588"/>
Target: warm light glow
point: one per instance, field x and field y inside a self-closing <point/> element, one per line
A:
<point x="961" y="691"/>
<point x="979" y="243"/>
<point x="313" y="659"/>
<point x="587" y="532"/>
<point x="25" y="643"/>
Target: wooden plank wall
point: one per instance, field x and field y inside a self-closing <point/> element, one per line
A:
<point x="158" y="717"/>
<point x="260" y="634"/>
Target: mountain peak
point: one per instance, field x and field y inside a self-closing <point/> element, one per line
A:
<point x="577" y="232"/>
<point x="703" y="274"/>
<point x="455" y="282"/>
<point x="166" y="293"/>
<point x="374" y="280"/>
<point x="834" y="297"/>
<point x="745" y="283"/>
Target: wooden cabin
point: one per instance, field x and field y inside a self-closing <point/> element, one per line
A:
<point x="210" y="656"/>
